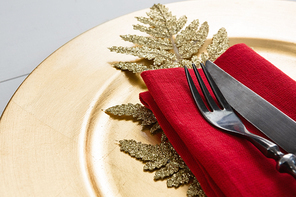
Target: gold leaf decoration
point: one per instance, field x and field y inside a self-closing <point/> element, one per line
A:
<point x="168" y="43"/>
<point x="161" y="158"/>
<point x="151" y="42"/>
<point x="155" y="127"/>
<point x="131" y="66"/>
<point x="191" y="39"/>
<point x="195" y="189"/>
<point x="137" y="111"/>
<point x="158" y="56"/>
<point x="218" y="46"/>
<point x="165" y="161"/>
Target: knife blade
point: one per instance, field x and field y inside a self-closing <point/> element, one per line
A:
<point x="276" y="125"/>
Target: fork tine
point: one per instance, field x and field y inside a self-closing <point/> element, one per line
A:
<point x="205" y="91"/>
<point x="197" y="98"/>
<point x="215" y="89"/>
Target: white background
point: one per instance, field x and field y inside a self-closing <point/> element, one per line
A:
<point x="30" y="30"/>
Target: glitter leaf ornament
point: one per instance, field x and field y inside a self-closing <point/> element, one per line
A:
<point x="168" y="43"/>
<point x="137" y="111"/>
<point x="218" y="46"/>
<point x="161" y="158"/>
<point x="165" y="161"/>
<point x="131" y="66"/>
<point x="181" y="177"/>
<point x="195" y="189"/>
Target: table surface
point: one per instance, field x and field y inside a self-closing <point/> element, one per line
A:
<point x="31" y="30"/>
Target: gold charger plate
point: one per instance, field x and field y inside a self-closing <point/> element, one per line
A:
<point x="55" y="140"/>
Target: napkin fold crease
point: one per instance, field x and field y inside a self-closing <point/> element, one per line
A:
<point x="224" y="164"/>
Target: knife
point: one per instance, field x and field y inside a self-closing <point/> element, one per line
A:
<point x="276" y="125"/>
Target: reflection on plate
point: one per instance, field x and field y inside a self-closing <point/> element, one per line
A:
<point x="57" y="141"/>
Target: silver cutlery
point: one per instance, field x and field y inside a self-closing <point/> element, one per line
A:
<point x="268" y="119"/>
<point x="225" y="119"/>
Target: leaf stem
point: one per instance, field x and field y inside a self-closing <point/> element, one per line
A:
<point x="176" y="50"/>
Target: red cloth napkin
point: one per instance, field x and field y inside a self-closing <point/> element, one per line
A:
<point x="224" y="164"/>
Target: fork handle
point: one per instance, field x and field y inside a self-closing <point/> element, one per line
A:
<point x="285" y="162"/>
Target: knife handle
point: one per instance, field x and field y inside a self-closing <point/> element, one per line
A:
<point x="285" y="162"/>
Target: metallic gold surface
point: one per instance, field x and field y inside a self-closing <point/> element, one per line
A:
<point x="55" y="140"/>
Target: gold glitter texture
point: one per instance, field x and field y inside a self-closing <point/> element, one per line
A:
<point x="137" y="111"/>
<point x="165" y="161"/>
<point x="195" y="190"/>
<point x="131" y="66"/>
<point x="160" y="157"/>
<point x="168" y="43"/>
<point x="218" y="46"/>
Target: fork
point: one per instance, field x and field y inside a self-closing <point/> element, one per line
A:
<point x="225" y="118"/>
